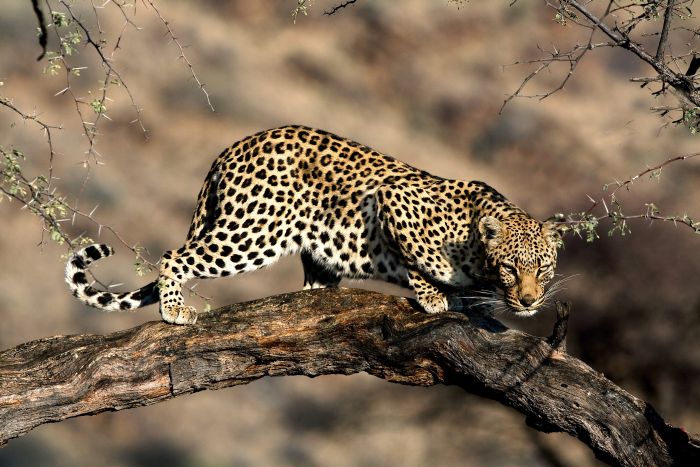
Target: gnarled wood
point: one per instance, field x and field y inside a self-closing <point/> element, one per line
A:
<point x="335" y="332"/>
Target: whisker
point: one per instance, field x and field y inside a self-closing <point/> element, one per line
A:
<point x="561" y="282"/>
<point x="484" y="293"/>
<point x="558" y="286"/>
<point x="567" y="278"/>
<point x="478" y="296"/>
<point x="493" y="301"/>
<point x="483" y="305"/>
<point x="478" y="299"/>
<point x="477" y="304"/>
<point x="555" y="288"/>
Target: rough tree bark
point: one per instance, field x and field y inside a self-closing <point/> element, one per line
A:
<point x="336" y="332"/>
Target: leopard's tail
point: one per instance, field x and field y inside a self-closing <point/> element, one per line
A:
<point x="77" y="281"/>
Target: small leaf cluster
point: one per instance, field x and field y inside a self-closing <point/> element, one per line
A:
<point x="619" y="220"/>
<point x="459" y="3"/>
<point x="691" y="119"/>
<point x="584" y="225"/>
<point x="34" y="194"/>
<point x="651" y="10"/>
<point x="54" y="63"/>
<point x="11" y="171"/>
<point x="302" y="7"/>
<point x="69" y="40"/>
<point x="98" y="106"/>
<point x="141" y="266"/>
<point x="564" y="14"/>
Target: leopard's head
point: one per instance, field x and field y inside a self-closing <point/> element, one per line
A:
<point x="520" y="257"/>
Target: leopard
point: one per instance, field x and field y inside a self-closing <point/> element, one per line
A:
<point x="349" y="212"/>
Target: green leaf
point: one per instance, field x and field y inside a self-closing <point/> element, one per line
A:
<point x="98" y="106"/>
<point x="59" y="19"/>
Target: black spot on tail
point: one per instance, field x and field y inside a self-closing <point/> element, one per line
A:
<point x="93" y="253"/>
<point x="79" y="278"/>
<point x="78" y="263"/>
<point x="125" y="305"/>
<point x="105" y="299"/>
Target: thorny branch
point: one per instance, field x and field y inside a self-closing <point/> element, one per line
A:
<point x="110" y="71"/>
<point x="585" y="223"/>
<point x="572" y="57"/>
<point x="5" y="102"/>
<point x="39" y="197"/>
<point x="39" y="194"/>
<point x="618" y="23"/>
<point x="182" y="56"/>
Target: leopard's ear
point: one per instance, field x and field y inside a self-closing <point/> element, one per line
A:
<point x="552" y="233"/>
<point x="491" y="231"/>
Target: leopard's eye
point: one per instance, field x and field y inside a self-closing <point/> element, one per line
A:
<point x="544" y="270"/>
<point x="509" y="269"/>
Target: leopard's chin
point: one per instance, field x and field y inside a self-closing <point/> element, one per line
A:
<point x="525" y="312"/>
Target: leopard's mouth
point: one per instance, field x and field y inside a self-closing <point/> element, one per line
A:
<point x="524" y="311"/>
<point x="500" y="301"/>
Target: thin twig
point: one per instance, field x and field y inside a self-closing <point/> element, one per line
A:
<point x="618" y="21"/>
<point x="678" y="81"/>
<point x="97" y="46"/>
<point x="612" y="208"/>
<point x="333" y="10"/>
<point x="182" y="56"/>
<point x="37" y="194"/>
<point x="573" y="57"/>
<point x="649" y="170"/>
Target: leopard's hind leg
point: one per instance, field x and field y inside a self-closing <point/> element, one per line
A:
<point x="173" y="272"/>
<point x="204" y="259"/>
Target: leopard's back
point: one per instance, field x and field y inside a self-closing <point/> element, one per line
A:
<point x="295" y="189"/>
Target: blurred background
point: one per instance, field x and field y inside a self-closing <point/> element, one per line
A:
<point x="424" y="82"/>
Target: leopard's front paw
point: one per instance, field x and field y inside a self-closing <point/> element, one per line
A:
<point x="179" y="314"/>
<point x="433" y="303"/>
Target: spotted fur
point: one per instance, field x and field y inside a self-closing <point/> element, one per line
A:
<point x="351" y="212"/>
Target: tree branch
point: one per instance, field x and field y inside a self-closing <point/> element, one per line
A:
<point x="668" y="16"/>
<point x="340" y="6"/>
<point x="314" y="333"/>
<point x="586" y="223"/>
<point x="682" y="85"/>
<point x="39" y="13"/>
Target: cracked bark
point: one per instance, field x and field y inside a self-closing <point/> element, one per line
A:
<point x="321" y="332"/>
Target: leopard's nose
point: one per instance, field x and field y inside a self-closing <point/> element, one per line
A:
<point x="527" y="300"/>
